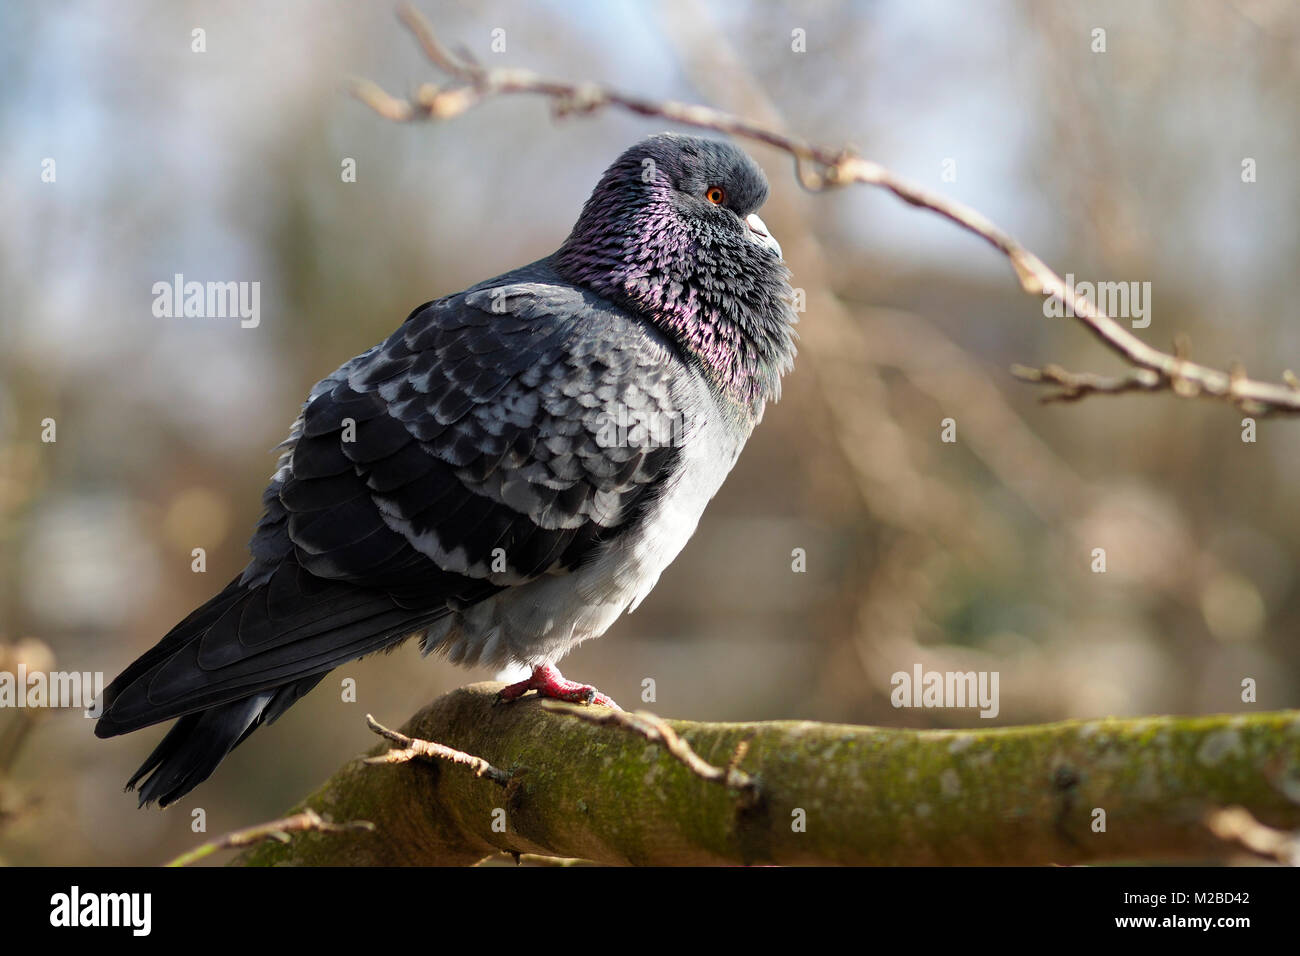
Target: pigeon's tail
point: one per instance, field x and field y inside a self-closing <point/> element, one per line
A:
<point x="193" y="748"/>
<point x="238" y="662"/>
<point x="198" y="742"/>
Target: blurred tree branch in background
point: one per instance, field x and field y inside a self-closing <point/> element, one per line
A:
<point x="1131" y="789"/>
<point x="820" y="168"/>
<point x="26" y="655"/>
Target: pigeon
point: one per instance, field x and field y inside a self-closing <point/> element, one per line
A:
<point x="506" y="474"/>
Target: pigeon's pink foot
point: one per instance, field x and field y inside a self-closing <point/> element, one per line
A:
<point x="549" y="682"/>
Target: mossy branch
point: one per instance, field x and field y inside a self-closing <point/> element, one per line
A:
<point x="596" y="791"/>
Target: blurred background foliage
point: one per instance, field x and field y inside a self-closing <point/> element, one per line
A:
<point x="1122" y="166"/>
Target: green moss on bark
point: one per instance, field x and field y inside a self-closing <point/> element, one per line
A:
<point x="1019" y="795"/>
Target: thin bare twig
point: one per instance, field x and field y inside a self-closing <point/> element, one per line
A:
<point x="1077" y="385"/>
<point x="34" y="655"/>
<point x="413" y="748"/>
<point x="656" y="730"/>
<point x="275" y="830"/>
<point x="819" y="168"/>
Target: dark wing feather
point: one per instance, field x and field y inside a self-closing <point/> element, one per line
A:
<point x="476" y="426"/>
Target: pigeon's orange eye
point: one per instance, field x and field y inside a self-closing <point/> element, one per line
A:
<point x="716" y="195"/>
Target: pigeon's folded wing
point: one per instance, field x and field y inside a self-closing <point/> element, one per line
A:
<point x="498" y="435"/>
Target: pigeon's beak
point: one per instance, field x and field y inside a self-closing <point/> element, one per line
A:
<point x="758" y="232"/>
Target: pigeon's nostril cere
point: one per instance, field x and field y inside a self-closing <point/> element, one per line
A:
<point x="759" y="230"/>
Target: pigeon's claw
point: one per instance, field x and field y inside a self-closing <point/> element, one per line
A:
<point x="549" y="682"/>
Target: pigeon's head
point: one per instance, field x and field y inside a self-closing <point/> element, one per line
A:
<point x="672" y="232"/>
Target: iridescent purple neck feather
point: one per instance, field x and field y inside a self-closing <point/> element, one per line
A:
<point x="649" y="240"/>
